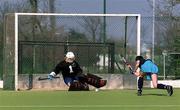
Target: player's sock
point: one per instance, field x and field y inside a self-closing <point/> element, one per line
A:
<point x="140" y="83"/>
<point x="161" y="86"/>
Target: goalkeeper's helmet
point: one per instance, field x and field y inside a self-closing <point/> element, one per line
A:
<point x="70" y="57"/>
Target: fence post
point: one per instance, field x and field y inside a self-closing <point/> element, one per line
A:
<point x="164" y="53"/>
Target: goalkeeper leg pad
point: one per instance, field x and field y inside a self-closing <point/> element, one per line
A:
<point x="78" y="86"/>
<point x="95" y="81"/>
<point x="93" y="76"/>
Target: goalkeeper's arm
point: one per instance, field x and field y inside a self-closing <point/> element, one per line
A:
<point x="56" y="71"/>
<point x="51" y="75"/>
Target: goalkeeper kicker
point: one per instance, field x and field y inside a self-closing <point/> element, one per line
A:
<point x="73" y="75"/>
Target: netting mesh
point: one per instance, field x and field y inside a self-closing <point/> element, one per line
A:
<point x="86" y="28"/>
<point x="79" y="29"/>
<point x="9" y="53"/>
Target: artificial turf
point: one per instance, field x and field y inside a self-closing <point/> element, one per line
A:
<point x="152" y="99"/>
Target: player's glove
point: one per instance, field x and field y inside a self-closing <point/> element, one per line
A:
<point x="130" y="68"/>
<point x="51" y="75"/>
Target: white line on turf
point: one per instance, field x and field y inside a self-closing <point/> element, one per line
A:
<point x="88" y="106"/>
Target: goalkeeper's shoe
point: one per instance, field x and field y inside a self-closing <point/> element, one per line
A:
<point x="139" y="92"/>
<point x="169" y="90"/>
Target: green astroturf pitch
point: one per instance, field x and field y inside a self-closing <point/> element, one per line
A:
<point x="152" y="99"/>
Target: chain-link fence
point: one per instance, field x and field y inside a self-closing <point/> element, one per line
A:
<point x="85" y="36"/>
<point x="9" y="53"/>
<point x="171" y="65"/>
<point x="167" y="41"/>
<point x="42" y="57"/>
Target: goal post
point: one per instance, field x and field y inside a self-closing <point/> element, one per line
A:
<point x="17" y="17"/>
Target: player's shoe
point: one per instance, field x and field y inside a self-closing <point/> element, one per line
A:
<point x="139" y="92"/>
<point x="169" y="90"/>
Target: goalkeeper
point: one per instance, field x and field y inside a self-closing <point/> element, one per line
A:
<point x="145" y="67"/>
<point x="73" y="75"/>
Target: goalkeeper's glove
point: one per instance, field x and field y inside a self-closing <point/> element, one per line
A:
<point x="51" y="75"/>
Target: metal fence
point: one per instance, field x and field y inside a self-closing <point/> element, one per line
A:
<point x="41" y="57"/>
<point x="171" y="65"/>
<point x="167" y="41"/>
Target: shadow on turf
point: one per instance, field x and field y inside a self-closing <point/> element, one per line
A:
<point x="154" y="94"/>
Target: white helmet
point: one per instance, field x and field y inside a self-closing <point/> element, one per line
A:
<point x="70" y="55"/>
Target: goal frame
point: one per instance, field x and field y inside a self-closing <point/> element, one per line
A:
<point x="63" y="14"/>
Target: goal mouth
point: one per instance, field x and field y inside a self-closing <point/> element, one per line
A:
<point x="67" y="28"/>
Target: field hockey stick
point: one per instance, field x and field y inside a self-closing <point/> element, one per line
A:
<point x="125" y="61"/>
<point x="46" y="78"/>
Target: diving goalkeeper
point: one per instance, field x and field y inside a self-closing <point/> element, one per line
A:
<point x="73" y="75"/>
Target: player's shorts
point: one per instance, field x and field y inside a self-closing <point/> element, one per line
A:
<point x="70" y="80"/>
<point x="149" y="67"/>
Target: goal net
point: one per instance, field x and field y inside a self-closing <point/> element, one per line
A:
<point x="35" y="42"/>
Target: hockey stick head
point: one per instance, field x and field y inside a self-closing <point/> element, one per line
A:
<point x="123" y="59"/>
<point x="42" y="78"/>
<point x="125" y="62"/>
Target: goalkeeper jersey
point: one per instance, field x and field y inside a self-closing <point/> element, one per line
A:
<point x="68" y="69"/>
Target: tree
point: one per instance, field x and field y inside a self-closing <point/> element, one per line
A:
<point x="165" y="24"/>
<point x="6" y="7"/>
<point x="75" y="36"/>
<point x="93" y="26"/>
<point x="167" y="27"/>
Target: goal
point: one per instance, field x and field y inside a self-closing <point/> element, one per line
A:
<point x="35" y="42"/>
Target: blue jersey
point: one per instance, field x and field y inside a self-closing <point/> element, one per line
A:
<point x="149" y="67"/>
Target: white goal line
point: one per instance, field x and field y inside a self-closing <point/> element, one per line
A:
<point x="89" y="106"/>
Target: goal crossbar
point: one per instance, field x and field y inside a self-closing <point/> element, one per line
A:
<point x="64" y="14"/>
